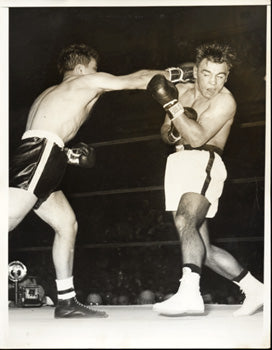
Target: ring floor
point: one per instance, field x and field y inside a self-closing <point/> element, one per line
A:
<point x="136" y="327"/>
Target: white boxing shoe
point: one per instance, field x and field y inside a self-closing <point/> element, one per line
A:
<point x="187" y="300"/>
<point x="254" y="296"/>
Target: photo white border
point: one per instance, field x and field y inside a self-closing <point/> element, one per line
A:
<point x="4" y="86"/>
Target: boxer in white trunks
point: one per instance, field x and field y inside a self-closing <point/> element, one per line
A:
<point x="195" y="175"/>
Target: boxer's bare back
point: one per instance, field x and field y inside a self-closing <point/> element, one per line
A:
<point x="63" y="108"/>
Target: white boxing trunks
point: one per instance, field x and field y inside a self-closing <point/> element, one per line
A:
<point x="194" y="170"/>
<point x="38" y="164"/>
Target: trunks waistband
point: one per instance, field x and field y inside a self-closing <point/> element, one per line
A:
<point x="205" y="148"/>
<point x="44" y="134"/>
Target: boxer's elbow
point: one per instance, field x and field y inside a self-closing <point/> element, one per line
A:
<point x="164" y="133"/>
<point x="138" y="80"/>
<point x="197" y="139"/>
<point x="196" y="142"/>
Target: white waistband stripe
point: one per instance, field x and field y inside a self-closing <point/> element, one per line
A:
<point x="41" y="165"/>
<point x="44" y="134"/>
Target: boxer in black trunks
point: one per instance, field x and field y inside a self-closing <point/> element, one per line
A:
<point x="40" y="161"/>
<point x="195" y="175"/>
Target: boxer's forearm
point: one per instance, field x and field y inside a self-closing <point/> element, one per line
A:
<point x="140" y="79"/>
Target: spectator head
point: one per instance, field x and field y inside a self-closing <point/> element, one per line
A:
<point x="108" y="298"/>
<point x="159" y="296"/>
<point x="93" y="299"/>
<point x="123" y="300"/>
<point x="146" y="297"/>
<point x="208" y="298"/>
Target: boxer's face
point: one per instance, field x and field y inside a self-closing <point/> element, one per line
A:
<point x="211" y="77"/>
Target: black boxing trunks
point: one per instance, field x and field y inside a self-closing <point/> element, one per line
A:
<point x="38" y="164"/>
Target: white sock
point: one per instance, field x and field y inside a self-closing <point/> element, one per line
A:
<point x="65" y="288"/>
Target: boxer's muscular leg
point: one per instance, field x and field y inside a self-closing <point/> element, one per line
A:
<point x="191" y="212"/>
<point x="227" y="266"/>
<point x="217" y="259"/>
<point x="57" y="212"/>
<point x="20" y="203"/>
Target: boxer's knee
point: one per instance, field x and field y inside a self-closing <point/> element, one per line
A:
<point x="67" y="228"/>
<point x="19" y="204"/>
<point x="71" y="225"/>
<point x="185" y="223"/>
<point x="180" y="222"/>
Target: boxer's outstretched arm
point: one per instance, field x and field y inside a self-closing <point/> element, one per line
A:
<point x="137" y="80"/>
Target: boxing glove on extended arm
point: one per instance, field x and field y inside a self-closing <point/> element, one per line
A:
<point x="182" y="74"/>
<point x="166" y="94"/>
<point x="81" y="155"/>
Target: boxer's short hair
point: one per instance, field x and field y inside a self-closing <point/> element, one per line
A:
<point x="216" y="52"/>
<point x="76" y="54"/>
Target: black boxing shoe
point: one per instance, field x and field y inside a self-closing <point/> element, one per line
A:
<point x="72" y="308"/>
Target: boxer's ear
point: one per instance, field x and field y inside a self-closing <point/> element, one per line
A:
<point x="79" y="69"/>
<point x="195" y="72"/>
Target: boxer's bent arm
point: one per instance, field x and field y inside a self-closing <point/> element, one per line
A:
<point x="166" y="126"/>
<point x="109" y="82"/>
<point x="220" y="112"/>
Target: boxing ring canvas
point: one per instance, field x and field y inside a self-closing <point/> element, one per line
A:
<point x="128" y="179"/>
<point x="137" y="326"/>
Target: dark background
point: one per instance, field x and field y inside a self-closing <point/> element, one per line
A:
<point x="126" y="241"/>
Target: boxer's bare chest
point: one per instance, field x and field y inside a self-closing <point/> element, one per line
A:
<point x="199" y="103"/>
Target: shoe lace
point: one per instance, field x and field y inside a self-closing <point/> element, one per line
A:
<point x="243" y="296"/>
<point x="81" y="305"/>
